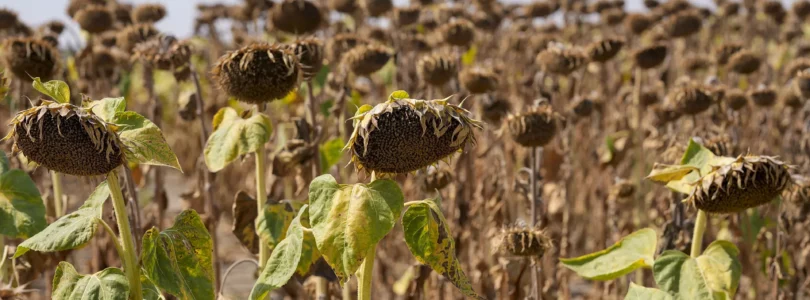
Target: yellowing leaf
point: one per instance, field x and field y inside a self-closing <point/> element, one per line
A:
<point x="713" y="275"/>
<point x="637" y="292"/>
<point x="178" y="259"/>
<point x="234" y="137"/>
<point x="348" y="220"/>
<point x="283" y="261"/>
<point x="666" y="173"/>
<point x="107" y="108"/>
<point x="636" y="250"/>
<point x="468" y="58"/>
<point x="144" y="141"/>
<point x="71" y="231"/>
<point x="109" y="284"/>
<point x="56" y="89"/>
<point x="431" y="242"/>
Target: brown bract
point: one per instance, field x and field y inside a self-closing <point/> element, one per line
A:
<point x="297" y="16"/>
<point x="148" y="13"/>
<point x="67" y="139"/>
<point x="27" y="58"/>
<point x="747" y="182"/>
<point x="405" y="135"/>
<point x="258" y="73"/>
<point x="436" y="69"/>
<point x="310" y="55"/>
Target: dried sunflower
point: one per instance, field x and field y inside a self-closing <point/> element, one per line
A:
<point x="747" y="182"/>
<point x="258" y="73"/>
<point x="403" y="135"/>
<point x="67" y="139"/>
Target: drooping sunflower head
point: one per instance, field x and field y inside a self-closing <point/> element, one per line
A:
<point x="521" y="241"/>
<point x="747" y="182"/>
<point x="67" y="139"/>
<point x="28" y="57"/>
<point x="605" y="49"/>
<point x="535" y="127"/>
<point x="367" y="59"/>
<point x="258" y="73"/>
<point x="403" y="135"/>
<point x="132" y="35"/>
<point x="561" y="61"/>
<point x="95" y="18"/>
<point x="479" y="80"/>
<point x="148" y="13"/>
<point x="436" y="69"/>
<point x="650" y="57"/>
<point x="297" y="16"/>
<point x="460" y="32"/>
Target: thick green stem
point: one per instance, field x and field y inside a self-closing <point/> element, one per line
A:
<point x="261" y="197"/>
<point x="365" y="275"/>
<point x="56" y="179"/>
<point x="697" y="236"/>
<point x="131" y="268"/>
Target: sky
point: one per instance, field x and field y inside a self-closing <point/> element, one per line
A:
<point x="181" y="13"/>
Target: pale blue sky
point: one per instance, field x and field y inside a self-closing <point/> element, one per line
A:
<point x="181" y="13"/>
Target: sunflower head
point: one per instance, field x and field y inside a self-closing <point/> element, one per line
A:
<point x="403" y="135"/>
<point x="67" y="139"/>
<point x="746" y="182"/>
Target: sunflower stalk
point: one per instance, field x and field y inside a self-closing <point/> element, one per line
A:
<point x="129" y="257"/>
<point x="56" y="179"/>
<point x="697" y="236"/>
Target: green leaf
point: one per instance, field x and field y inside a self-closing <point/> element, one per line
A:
<point x="721" y="268"/>
<point x="666" y="173"/>
<point x="326" y="107"/>
<point x="144" y="141"/>
<point x="634" y="251"/>
<point x="72" y="230"/>
<point x="713" y="275"/>
<point x="399" y="94"/>
<point x="331" y="151"/>
<point x="22" y="213"/>
<point x="56" y="89"/>
<point x="309" y="253"/>
<point x="149" y="290"/>
<point x="348" y="220"/>
<point x="178" y="259"/>
<point x="109" y="284"/>
<point x="4" y="165"/>
<point x="271" y="226"/>
<point x="283" y="261"/>
<point x="107" y="108"/>
<point x="637" y="292"/>
<point x="431" y="242"/>
<point x="234" y="137"/>
<point x="701" y="160"/>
